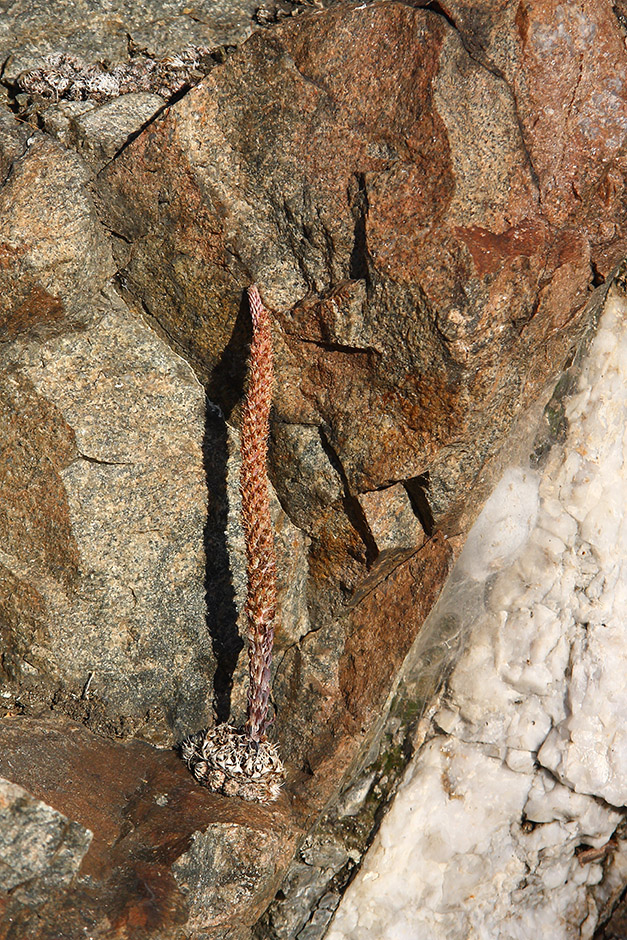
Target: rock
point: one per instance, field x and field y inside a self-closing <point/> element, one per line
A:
<point x="514" y="799"/>
<point x="103" y="492"/>
<point x="429" y="253"/>
<point x="167" y="858"/>
<point x="29" y="32"/>
<point x="615" y="927"/>
<point x="391" y="519"/>
<point x="56" y="257"/>
<point x="306" y="884"/>
<point x="41" y="849"/>
<point x="439" y="320"/>
<point x="99" y="132"/>
<point x="404" y="351"/>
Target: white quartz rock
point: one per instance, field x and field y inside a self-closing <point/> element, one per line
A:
<point x="498" y="534"/>
<point x="486" y="836"/>
<point x="550" y="801"/>
<point x="588" y="749"/>
<point x="444" y="850"/>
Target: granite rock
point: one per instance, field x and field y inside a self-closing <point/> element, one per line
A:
<point x="31" y="31"/>
<point x="41" y="849"/>
<point x="103" y="491"/>
<point x="140" y="849"/>
<point x="426" y="286"/>
<point x="99" y="131"/>
<point x="428" y="330"/>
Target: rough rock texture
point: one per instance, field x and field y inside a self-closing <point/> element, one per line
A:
<point x="41" y="849"/>
<point x="98" y="132"/>
<point x="118" y="35"/>
<point x="148" y="852"/>
<point x="424" y="260"/>
<point x="428" y="277"/>
<point x="103" y="492"/>
<point x="427" y="234"/>
<point x="616" y="926"/>
<point x="513" y="803"/>
<point x="105" y="32"/>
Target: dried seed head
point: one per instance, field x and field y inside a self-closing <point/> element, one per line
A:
<point x="64" y="76"/>
<point x="226" y="760"/>
<point x="256" y="521"/>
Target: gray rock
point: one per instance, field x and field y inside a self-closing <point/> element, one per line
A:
<point x="40" y="849"/>
<point x="96" y="32"/>
<point x="391" y="519"/>
<point x="310" y="483"/>
<point x="320" y="858"/>
<point x="56" y="254"/>
<point x="98" y="132"/>
<point x="133" y="512"/>
<point x="352" y="801"/>
<point x="227" y="867"/>
<point x="103" y="492"/>
<point x="320" y="918"/>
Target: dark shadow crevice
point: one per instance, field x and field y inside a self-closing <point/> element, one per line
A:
<point x="224" y="390"/>
<point x="417" y="489"/>
<point x="358" y="199"/>
<point x="220" y="596"/>
<point x="351" y="504"/>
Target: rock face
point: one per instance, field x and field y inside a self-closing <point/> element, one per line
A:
<point x="162" y="858"/>
<point x="96" y="33"/>
<point x="440" y="232"/>
<point x="427" y="275"/>
<point x="41" y="849"/>
<point x="427" y="234"/>
<point x="103" y="491"/>
<point x="515" y="802"/>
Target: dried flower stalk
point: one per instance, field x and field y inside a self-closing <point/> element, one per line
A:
<point x="259" y="538"/>
<point x="242" y="762"/>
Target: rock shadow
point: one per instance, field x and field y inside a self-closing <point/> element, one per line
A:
<point x="224" y="391"/>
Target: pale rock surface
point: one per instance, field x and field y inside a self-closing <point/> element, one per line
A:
<point x="95" y="31"/>
<point x="41" y="850"/>
<point x="99" y="131"/>
<point x="134" y="632"/>
<point x="525" y="761"/>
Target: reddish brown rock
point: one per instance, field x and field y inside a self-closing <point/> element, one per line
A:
<point x="147" y="852"/>
<point x="423" y="245"/>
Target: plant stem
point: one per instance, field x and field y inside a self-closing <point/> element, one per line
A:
<point x="260" y="553"/>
